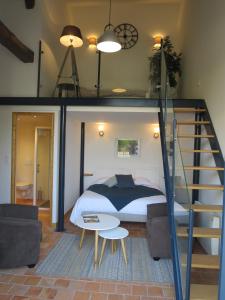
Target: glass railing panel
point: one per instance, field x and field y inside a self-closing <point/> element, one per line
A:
<point x="181" y="200"/>
<point x="181" y="214"/>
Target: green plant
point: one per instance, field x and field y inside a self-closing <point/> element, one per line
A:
<point x="173" y="63"/>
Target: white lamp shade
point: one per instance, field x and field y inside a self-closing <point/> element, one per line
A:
<point x="108" y="42"/>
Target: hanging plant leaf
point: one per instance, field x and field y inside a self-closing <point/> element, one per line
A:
<point x="173" y="62"/>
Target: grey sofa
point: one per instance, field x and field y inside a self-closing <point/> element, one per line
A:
<point x="158" y="234"/>
<point x="20" y="235"/>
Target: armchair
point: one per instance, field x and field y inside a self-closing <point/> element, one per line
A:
<point x="20" y="235"/>
<point x="158" y="233"/>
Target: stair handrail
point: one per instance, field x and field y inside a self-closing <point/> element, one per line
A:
<point x="214" y="143"/>
<point x="169" y="183"/>
<point x="221" y="292"/>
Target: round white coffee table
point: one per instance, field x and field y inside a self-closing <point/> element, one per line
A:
<point x="106" y="222"/>
<point x="118" y="233"/>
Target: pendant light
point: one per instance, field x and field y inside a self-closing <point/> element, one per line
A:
<point x="108" y="42"/>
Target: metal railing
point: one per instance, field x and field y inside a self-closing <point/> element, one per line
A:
<point x="221" y="293"/>
<point x="178" y="199"/>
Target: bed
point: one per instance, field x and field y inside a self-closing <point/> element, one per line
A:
<point x="135" y="211"/>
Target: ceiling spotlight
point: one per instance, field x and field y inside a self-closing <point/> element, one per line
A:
<point x="119" y="90"/>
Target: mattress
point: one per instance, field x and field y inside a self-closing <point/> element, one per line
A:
<point x="91" y="202"/>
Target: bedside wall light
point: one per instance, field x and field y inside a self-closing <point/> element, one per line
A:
<point x="156" y="131"/>
<point x="92" y="42"/>
<point x="157" y="42"/>
<point x="101" y="127"/>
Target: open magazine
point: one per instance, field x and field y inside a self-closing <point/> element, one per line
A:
<point x="90" y="219"/>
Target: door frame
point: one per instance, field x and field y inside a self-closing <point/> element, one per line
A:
<point x="35" y="166"/>
<point x="13" y="154"/>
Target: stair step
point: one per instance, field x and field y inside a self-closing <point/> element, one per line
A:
<point x="200" y="151"/>
<point x="204" y="292"/>
<point x="191" y="122"/>
<point x="194" y="136"/>
<point x="202" y="261"/>
<point x="203" y="232"/>
<point x="203" y="168"/>
<point x="207" y="208"/>
<point x="210" y="187"/>
<point x="205" y="261"/>
<point x="188" y="110"/>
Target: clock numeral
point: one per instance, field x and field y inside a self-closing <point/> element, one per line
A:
<point x="127" y="35"/>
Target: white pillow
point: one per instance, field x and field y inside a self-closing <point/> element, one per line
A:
<point x="101" y="180"/>
<point x="112" y="181"/>
<point x="146" y="182"/>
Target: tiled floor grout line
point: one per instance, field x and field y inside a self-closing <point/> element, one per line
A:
<point x="24" y="281"/>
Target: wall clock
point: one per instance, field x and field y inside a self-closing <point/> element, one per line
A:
<point x="127" y="34"/>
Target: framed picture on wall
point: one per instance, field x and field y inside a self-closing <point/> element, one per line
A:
<point x="126" y="148"/>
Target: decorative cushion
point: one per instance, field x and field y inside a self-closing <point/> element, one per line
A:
<point x="111" y="181"/>
<point x="124" y="181"/>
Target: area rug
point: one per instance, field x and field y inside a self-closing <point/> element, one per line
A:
<point x="67" y="260"/>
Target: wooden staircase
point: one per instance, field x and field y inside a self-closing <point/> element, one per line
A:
<point x="202" y="261"/>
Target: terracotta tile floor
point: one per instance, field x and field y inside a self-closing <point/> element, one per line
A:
<point x="23" y="284"/>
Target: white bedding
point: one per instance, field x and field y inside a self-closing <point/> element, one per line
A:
<point x="92" y="202"/>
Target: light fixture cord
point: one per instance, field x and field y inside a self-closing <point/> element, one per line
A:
<point x="109" y="13"/>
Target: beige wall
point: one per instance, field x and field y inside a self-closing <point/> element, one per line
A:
<point x="25" y="141"/>
<point x="204" y="57"/>
<point x="129" y="69"/>
<point x="126" y="68"/>
<point x="203" y="23"/>
<point x="20" y="79"/>
<point x="16" y="77"/>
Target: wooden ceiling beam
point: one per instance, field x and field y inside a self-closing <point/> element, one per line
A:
<point x="29" y="4"/>
<point x="14" y="45"/>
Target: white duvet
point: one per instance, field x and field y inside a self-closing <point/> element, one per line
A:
<point x="92" y="202"/>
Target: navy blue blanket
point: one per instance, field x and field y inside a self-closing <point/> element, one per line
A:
<point x="120" y="197"/>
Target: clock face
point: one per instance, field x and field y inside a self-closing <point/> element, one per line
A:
<point x="127" y="34"/>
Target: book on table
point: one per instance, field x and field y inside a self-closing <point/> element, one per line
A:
<point x="90" y="219"/>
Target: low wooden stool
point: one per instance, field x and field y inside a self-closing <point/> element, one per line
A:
<point x="118" y="233"/>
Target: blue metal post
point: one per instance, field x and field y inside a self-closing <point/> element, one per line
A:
<point x="221" y="295"/>
<point x="170" y="196"/>
<point x="189" y="255"/>
<point x="62" y="150"/>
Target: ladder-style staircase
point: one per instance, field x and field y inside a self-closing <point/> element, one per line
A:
<point x="201" y="123"/>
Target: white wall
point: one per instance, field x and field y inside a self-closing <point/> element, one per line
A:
<point x="18" y="78"/>
<point x="54" y="17"/>
<point x="100" y="152"/>
<point x="5" y="156"/>
<point x="101" y="158"/>
<point x="6" y="148"/>
<point x="72" y="168"/>
<point x="203" y="58"/>
<point x="25" y="143"/>
<point x="129" y="69"/>
<point x="203" y="49"/>
<point x="126" y="68"/>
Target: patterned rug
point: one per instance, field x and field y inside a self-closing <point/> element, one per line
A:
<point x="67" y="260"/>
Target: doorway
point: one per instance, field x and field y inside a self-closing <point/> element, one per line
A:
<point x="32" y="160"/>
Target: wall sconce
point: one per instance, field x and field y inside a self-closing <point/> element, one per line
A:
<point x="92" y="42"/>
<point x="157" y="42"/>
<point x="101" y="127"/>
<point x="156" y="131"/>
